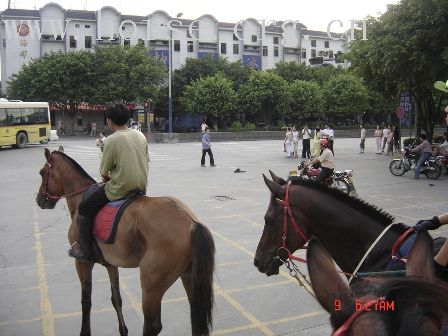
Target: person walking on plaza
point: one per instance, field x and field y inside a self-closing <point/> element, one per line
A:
<point x="385" y="133"/>
<point x="203" y="126"/>
<point x="316" y="141"/>
<point x="441" y="258"/>
<point x="389" y="141"/>
<point x="93" y="131"/>
<point x="206" y="148"/>
<point x="425" y="148"/>
<point x="378" y="136"/>
<point x="306" y="136"/>
<point x="288" y="143"/>
<point x="295" y="141"/>
<point x="397" y="140"/>
<point x="362" y="144"/>
<point x="124" y="168"/>
<point x="331" y="139"/>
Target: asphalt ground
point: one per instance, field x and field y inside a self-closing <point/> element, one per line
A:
<point x="39" y="288"/>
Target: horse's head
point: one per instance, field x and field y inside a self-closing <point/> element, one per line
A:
<point x="51" y="187"/>
<point x="416" y="303"/>
<point x="279" y="236"/>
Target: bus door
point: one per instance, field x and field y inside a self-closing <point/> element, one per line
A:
<point x="4" y="130"/>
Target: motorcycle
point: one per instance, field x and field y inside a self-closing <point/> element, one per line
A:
<point x="431" y="168"/>
<point x="339" y="179"/>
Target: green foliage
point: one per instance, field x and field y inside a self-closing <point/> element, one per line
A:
<point x="291" y="71"/>
<point x="236" y="124"/>
<point x="406" y="50"/>
<point x="345" y="95"/>
<point x="250" y="126"/>
<point x="307" y="100"/>
<point x="212" y="96"/>
<point x="264" y="96"/>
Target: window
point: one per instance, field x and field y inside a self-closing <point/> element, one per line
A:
<point x="123" y="28"/>
<point x="223" y="48"/>
<point x="59" y="38"/>
<point x="313" y="43"/>
<point x="78" y="122"/>
<point x="4" y="43"/>
<point x="327" y="44"/>
<point x="235" y="38"/>
<point x="313" y="52"/>
<point x="23" y="116"/>
<point x="127" y="42"/>
<point x="86" y="26"/>
<point x="72" y="42"/>
<point x="303" y="53"/>
<point x="190" y="46"/>
<point x="265" y="51"/>
<point x="254" y="38"/>
<point x="275" y="39"/>
<point x="76" y="25"/>
<point x="188" y="33"/>
<point x="330" y="54"/>
<point x="176" y="45"/>
<point x="236" y="49"/>
<point x="88" y="42"/>
<point x="141" y="42"/>
<point x="275" y="51"/>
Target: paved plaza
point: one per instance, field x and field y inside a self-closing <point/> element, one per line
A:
<point x="39" y="288"/>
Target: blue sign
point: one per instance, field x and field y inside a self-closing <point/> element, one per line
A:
<point x="406" y="103"/>
<point x="252" y="61"/>
<point x="162" y="54"/>
<point x="202" y="54"/>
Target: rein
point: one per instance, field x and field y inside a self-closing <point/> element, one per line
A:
<point x="293" y="269"/>
<point x="58" y="197"/>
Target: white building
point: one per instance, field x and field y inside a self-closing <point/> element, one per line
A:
<point x="28" y="34"/>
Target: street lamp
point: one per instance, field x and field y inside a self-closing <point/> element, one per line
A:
<point x="170" y="70"/>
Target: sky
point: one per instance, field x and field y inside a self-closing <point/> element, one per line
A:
<point x="315" y="15"/>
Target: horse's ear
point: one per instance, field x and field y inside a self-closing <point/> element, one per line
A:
<point x="331" y="290"/>
<point x="61" y="149"/>
<point x="47" y="154"/>
<point x="273" y="187"/>
<point x="277" y="179"/>
<point x="420" y="260"/>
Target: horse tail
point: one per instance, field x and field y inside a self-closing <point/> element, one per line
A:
<point x="202" y="269"/>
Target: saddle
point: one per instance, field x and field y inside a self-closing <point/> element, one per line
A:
<point x="106" y="220"/>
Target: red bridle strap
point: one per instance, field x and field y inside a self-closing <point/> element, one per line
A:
<point x="398" y="243"/>
<point x="287" y="214"/>
<point x="342" y="330"/>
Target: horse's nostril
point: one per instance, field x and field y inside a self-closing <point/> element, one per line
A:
<point x="256" y="263"/>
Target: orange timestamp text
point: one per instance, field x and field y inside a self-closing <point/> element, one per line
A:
<point x="368" y="305"/>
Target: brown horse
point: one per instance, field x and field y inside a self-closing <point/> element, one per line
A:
<point x="413" y="305"/>
<point x="160" y="235"/>
<point x="346" y="226"/>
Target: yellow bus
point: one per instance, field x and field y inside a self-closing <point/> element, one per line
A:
<point x="24" y="122"/>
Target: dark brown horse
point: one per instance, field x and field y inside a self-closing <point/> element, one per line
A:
<point x="160" y="235"/>
<point x="346" y="227"/>
<point x="414" y="305"/>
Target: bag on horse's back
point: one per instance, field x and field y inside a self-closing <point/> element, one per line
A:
<point x="107" y="219"/>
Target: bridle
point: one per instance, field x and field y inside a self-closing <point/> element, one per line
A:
<point x="47" y="193"/>
<point x="289" y="218"/>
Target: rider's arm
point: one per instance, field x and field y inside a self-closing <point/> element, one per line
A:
<point x="443" y="219"/>
<point x="107" y="160"/>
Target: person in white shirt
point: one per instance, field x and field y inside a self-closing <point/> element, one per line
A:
<point x="203" y="126"/>
<point x="331" y="139"/>
<point x="295" y="141"/>
<point x="306" y="136"/>
<point x="362" y="144"/>
<point x="385" y="134"/>
<point x="326" y="161"/>
<point x="288" y="143"/>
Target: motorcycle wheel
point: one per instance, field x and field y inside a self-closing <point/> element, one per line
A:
<point x="341" y="185"/>
<point x="433" y="171"/>
<point x="397" y="168"/>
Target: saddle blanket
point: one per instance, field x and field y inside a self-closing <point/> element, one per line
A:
<point x="107" y="219"/>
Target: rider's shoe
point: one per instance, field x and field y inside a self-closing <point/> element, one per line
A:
<point x="82" y="250"/>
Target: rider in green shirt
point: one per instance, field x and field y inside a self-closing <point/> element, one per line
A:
<point x="124" y="168"/>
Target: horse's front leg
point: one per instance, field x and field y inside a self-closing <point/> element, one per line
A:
<point x="116" y="298"/>
<point x="84" y="270"/>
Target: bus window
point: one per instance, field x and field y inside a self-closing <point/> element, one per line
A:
<point x="3" y="120"/>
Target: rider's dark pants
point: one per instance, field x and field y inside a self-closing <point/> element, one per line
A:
<point x="425" y="156"/>
<point x="306" y="151"/>
<point x="90" y="206"/>
<point x="324" y="173"/>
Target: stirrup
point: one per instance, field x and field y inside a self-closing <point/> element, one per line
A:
<point x="78" y="254"/>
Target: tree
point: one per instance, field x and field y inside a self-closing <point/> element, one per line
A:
<point x="307" y="100"/>
<point x="291" y="71"/>
<point x="407" y="50"/>
<point x="345" y="95"/>
<point x="264" y="96"/>
<point x="126" y="74"/>
<point x="65" y="80"/>
<point x="212" y="96"/>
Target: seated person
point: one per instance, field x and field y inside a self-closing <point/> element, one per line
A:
<point x="441" y="149"/>
<point x="326" y="160"/>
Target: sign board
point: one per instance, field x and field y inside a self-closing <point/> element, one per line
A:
<point x="406" y="102"/>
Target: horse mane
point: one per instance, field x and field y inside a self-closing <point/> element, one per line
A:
<point x="368" y="209"/>
<point x="75" y="165"/>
